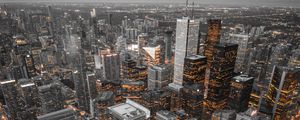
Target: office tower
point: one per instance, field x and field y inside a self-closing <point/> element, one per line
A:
<point x="295" y="58"/>
<point x="10" y="93"/>
<point x="224" y="115"/>
<point x="252" y="114"/>
<point x="155" y="100"/>
<point x="109" y="18"/>
<point x="30" y="97"/>
<point x="193" y="98"/>
<point x="129" y="111"/>
<point x="104" y="100"/>
<point x="282" y="95"/>
<point x="153" y="55"/>
<point x="187" y="43"/>
<point x="280" y="55"/>
<point x="194" y="69"/>
<point x="128" y="69"/>
<point x="50" y="97"/>
<point x="111" y="66"/>
<point x="131" y="33"/>
<point x="176" y="101"/>
<point x="165" y="115"/>
<point x="30" y="67"/>
<point x="213" y="38"/>
<point x="121" y="48"/>
<point x="259" y="57"/>
<point x="141" y="72"/>
<point x="93" y="23"/>
<point x="64" y="114"/>
<point x="91" y="91"/>
<point x="241" y="87"/>
<point x="221" y="72"/>
<point x="159" y="77"/>
<point x="142" y="39"/>
<point x="245" y="44"/>
<point x="50" y="21"/>
<point x="168" y="46"/>
<point x="132" y="89"/>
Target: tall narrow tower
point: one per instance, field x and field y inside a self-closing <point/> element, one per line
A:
<point x="187" y="43"/>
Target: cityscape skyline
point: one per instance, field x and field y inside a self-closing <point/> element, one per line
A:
<point x="139" y="61"/>
<point x="270" y="3"/>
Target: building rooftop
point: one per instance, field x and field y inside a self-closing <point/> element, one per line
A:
<point x="195" y="57"/>
<point x="126" y="111"/>
<point x="167" y="115"/>
<point x="242" y="78"/>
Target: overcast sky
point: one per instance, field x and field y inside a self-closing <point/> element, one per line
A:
<point x="294" y="3"/>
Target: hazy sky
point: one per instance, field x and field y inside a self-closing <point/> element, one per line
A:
<point x="294" y="3"/>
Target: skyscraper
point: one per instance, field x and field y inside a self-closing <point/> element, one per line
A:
<point x="244" y="42"/>
<point x="283" y="92"/>
<point x="158" y="77"/>
<point x="213" y="38"/>
<point x="187" y="43"/>
<point x="168" y="46"/>
<point x="221" y="72"/>
<point x="50" y="97"/>
<point x="9" y="89"/>
<point x="111" y="66"/>
<point x="194" y="70"/>
<point x="240" y="90"/>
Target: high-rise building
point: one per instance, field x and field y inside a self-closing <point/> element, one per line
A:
<point x="50" y="97"/>
<point x="155" y="100"/>
<point x="241" y="87"/>
<point x="30" y="97"/>
<point x="64" y="114"/>
<point x="193" y="98"/>
<point x="245" y="43"/>
<point x="168" y="46"/>
<point x="283" y="91"/>
<point x="176" y="101"/>
<point x="153" y="55"/>
<point x="187" y="43"/>
<point x="295" y="59"/>
<point x="127" y="69"/>
<point x="194" y="69"/>
<point x="111" y="66"/>
<point x="159" y="77"/>
<point x="10" y="93"/>
<point x="221" y="72"/>
<point x="213" y="38"/>
<point x="30" y="67"/>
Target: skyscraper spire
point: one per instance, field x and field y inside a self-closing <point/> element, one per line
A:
<point x="193" y="10"/>
<point x="186" y="8"/>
